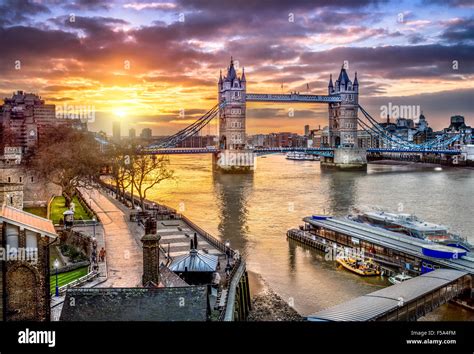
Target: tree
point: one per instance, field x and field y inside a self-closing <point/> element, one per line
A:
<point x="7" y="138"/>
<point x="147" y="172"/>
<point x="68" y="158"/>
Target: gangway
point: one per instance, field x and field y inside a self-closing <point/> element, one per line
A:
<point x="406" y="301"/>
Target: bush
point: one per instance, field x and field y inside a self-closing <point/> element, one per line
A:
<point x="72" y="253"/>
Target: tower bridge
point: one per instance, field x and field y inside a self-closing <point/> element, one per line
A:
<point x="233" y="155"/>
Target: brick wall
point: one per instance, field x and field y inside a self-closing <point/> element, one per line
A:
<point x="1" y="276"/>
<point x="25" y="285"/>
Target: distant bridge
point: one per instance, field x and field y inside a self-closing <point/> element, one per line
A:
<point x="309" y="150"/>
<point x="259" y="151"/>
<point x="343" y="107"/>
<point x="416" y="151"/>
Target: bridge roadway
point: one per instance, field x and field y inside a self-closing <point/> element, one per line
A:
<point x="406" y="301"/>
<point x="311" y="150"/>
<point x="293" y="97"/>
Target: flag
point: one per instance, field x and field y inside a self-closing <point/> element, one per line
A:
<point x="307" y="86"/>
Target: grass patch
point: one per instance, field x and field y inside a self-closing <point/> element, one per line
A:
<point x="66" y="278"/>
<point x="58" y="207"/>
<point x="39" y="211"/>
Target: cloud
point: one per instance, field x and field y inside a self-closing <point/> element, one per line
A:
<point x="88" y="5"/>
<point x="150" y="5"/>
<point x="14" y="11"/>
<point x="459" y="30"/>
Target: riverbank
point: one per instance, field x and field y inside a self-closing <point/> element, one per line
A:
<point x="403" y="163"/>
<point x="417" y="164"/>
<point x="266" y="304"/>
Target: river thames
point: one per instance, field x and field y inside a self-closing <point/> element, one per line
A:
<point x="254" y="211"/>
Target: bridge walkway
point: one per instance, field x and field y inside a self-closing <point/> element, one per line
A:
<point x="406" y="301"/>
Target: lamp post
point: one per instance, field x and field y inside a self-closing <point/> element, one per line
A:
<point x="227" y="252"/>
<point x="94" y="259"/>
<point x="94" y="219"/>
<point x="94" y="253"/>
<point x="56" y="266"/>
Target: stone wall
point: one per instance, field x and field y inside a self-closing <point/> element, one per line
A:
<point x="24" y="285"/>
<point x="11" y="194"/>
<point x="36" y="192"/>
<point x="347" y="158"/>
<point x="2" y="275"/>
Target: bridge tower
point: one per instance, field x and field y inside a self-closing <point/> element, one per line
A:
<point x="343" y="123"/>
<point x="233" y="155"/>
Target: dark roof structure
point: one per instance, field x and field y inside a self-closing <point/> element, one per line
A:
<point x="136" y="304"/>
<point x="343" y="78"/>
<point x="169" y="279"/>
<point x="195" y="261"/>
<point x="231" y="74"/>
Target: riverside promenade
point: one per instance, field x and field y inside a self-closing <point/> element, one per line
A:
<point x="124" y="254"/>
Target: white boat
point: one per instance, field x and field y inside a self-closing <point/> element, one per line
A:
<point x="399" y="278"/>
<point x="410" y="225"/>
<point x="301" y="156"/>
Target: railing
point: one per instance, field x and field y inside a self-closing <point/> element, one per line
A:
<point x="79" y="281"/>
<point x="237" y="268"/>
<point x="234" y="277"/>
<point x="85" y="205"/>
<point x="211" y="239"/>
<point x="322" y="243"/>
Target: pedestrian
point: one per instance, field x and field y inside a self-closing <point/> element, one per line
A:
<point x="102" y="254"/>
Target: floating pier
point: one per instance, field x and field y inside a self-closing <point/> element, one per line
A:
<point x="389" y="249"/>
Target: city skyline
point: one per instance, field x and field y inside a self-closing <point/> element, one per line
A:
<point x="156" y="64"/>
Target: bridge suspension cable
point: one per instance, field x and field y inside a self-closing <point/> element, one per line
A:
<point x="190" y="130"/>
<point x="374" y="128"/>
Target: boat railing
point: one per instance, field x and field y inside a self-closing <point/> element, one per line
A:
<point x="458" y="237"/>
<point x="315" y="236"/>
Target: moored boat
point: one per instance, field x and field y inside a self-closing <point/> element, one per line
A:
<point x="301" y="156"/>
<point x="360" y="267"/>
<point x="399" y="278"/>
<point x="413" y="226"/>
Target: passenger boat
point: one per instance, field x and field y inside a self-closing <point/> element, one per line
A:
<point x="358" y="266"/>
<point x="399" y="278"/>
<point x="301" y="156"/>
<point x="411" y="225"/>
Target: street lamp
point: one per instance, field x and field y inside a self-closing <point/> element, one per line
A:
<point x="94" y="247"/>
<point x="56" y="266"/>
<point x="94" y="219"/>
<point x="227" y="252"/>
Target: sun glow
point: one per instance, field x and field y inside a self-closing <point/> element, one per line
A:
<point x="119" y="113"/>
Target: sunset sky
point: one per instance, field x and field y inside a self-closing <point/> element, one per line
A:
<point x="143" y="62"/>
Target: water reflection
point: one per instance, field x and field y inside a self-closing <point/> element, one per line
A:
<point x="255" y="211"/>
<point x="232" y="191"/>
<point x="341" y="190"/>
